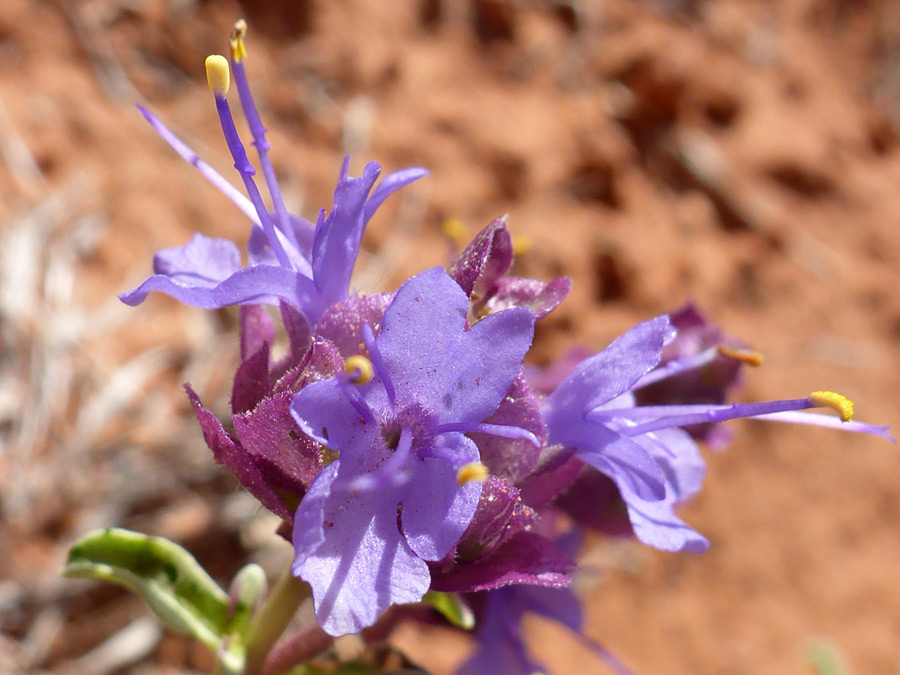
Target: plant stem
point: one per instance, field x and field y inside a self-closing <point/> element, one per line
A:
<point x="273" y="617"/>
<point x="297" y="649"/>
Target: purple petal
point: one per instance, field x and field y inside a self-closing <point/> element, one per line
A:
<point x="390" y="184"/>
<point x="257" y="328"/>
<point x="487" y="257"/>
<point x="629" y="465"/>
<point x="336" y="242"/>
<point x="270" y="436"/>
<point x="260" y="252"/>
<point x="606" y="375"/>
<point x="513" y="458"/>
<point x="341" y="323"/>
<point x="304" y="231"/>
<point x="501" y="646"/>
<point x="262" y="284"/>
<point x="203" y="261"/>
<point x="678" y="457"/>
<point x="558" y="604"/>
<point x="325" y="414"/>
<point x="462" y="375"/>
<point x="235" y="459"/>
<point x="436" y="510"/>
<point x="656" y="524"/>
<point x="362" y="565"/>
<point x="527" y="558"/>
<point x="251" y="381"/>
<point x="538" y="296"/>
<point x="309" y="520"/>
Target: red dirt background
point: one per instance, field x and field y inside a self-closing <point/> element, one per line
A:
<point x="743" y="154"/>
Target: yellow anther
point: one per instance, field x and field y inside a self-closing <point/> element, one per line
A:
<point x="471" y="471"/>
<point x="749" y="356"/>
<point x="217" y="74"/>
<point x="522" y="244"/>
<point x="238" y="50"/>
<point x="840" y="403"/>
<point x="455" y="230"/>
<point x="359" y="368"/>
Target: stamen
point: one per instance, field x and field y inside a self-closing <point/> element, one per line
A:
<point x="257" y="130"/>
<point x="217" y="75"/>
<point x="502" y="430"/>
<point x="391" y="471"/>
<point x="749" y="356"/>
<point x="205" y="169"/>
<point x="378" y="363"/>
<point x="238" y="51"/>
<point x="829" y="421"/>
<point x="668" y="416"/>
<point x="473" y="471"/>
<point x="359" y="369"/>
<point x="829" y="399"/>
<point x="350" y="390"/>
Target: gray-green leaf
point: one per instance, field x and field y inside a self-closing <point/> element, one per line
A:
<point x="165" y="575"/>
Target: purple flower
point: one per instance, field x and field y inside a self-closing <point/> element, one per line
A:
<point x="501" y="647"/>
<point x="481" y="271"/>
<point x="399" y="494"/>
<point x="652" y="462"/>
<point x="291" y="260"/>
<point x="265" y="452"/>
<point x="701" y="365"/>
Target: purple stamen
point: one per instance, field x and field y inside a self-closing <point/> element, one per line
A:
<point x="205" y="169"/>
<point x="390" y="472"/>
<point x="258" y="132"/>
<point x="242" y="164"/>
<point x="378" y="363"/>
<point x="351" y="391"/>
<point x="668" y="416"/>
<point x="828" y="421"/>
<point x="492" y="429"/>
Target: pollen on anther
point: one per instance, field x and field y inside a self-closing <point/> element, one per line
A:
<point x="472" y="471"/>
<point x="749" y="356"/>
<point x="238" y="50"/>
<point x="359" y="368"/>
<point x="217" y="74"/>
<point x="838" y="402"/>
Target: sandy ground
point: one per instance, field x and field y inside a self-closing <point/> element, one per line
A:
<point x="742" y="154"/>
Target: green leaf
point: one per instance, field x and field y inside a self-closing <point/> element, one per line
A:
<point x="452" y="607"/>
<point x="248" y="589"/>
<point x="165" y="575"/>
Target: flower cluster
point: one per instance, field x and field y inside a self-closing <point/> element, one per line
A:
<point x="403" y="438"/>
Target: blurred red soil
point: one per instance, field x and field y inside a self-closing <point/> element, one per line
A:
<point x="743" y="154"/>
